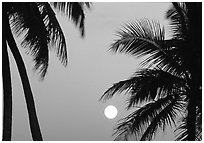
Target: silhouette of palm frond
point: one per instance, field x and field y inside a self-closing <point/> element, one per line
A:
<point x="145" y="121"/>
<point x="74" y="10"/>
<point x="147" y="85"/>
<point x="145" y="37"/>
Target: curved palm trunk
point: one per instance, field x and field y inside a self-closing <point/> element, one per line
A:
<point x="33" y="120"/>
<point x="7" y="90"/>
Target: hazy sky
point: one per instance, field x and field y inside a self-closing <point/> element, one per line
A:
<point x="67" y="101"/>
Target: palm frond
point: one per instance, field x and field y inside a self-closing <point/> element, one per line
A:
<point x="146" y="85"/>
<point x="139" y="120"/>
<point x="75" y="12"/>
<point x="87" y="4"/>
<point x="177" y="15"/>
<point x="55" y="33"/>
<point x="181" y="130"/>
<point x="144" y="37"/>
<point x="153" y="84"/>
<point x="123" y="134"/>
<point x="166" y="117"/>
<point x="26" y="19"/>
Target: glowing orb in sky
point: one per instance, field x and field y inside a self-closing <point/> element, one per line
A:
<point x="110" y="112"/>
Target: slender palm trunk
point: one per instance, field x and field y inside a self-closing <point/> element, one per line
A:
<point x="33" y="120"/>
<point x="195" y="66"/>
<point x="7" y="89"/>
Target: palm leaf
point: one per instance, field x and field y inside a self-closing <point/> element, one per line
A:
<point x="139" y="120"/>
<point x="153" y="84"/>
<point x="144" y="37"/>
<point x="146" y="85"/>
<point x="177" y="15"/>
<point x="75" y="12"/>
<point x="55" y="33"/>
<point x="181" y="130"/>
<point x="144" y="34"/>
<point x="166" y="117"/>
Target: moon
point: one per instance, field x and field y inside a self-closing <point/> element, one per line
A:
<point x="110" y="112"/>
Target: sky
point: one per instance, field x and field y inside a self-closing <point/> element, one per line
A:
<point x="67" y="100"/>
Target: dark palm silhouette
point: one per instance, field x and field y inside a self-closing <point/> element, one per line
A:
<point x="40" y="28"/>
<point x="168" y="87"/>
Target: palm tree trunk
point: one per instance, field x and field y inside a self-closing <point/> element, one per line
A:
<point x="191" y="119"/>
<point x="33" y="120"/>
<point x="7" y="89"/>
<point x="195" y="66"/>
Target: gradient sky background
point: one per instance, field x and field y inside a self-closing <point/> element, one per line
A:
<point x="67" y="101"/>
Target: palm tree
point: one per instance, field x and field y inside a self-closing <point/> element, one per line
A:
<point x="37" y="22"/>
<point x="167" y="90"/>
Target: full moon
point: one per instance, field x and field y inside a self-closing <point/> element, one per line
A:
<point x="110" y="112"/>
